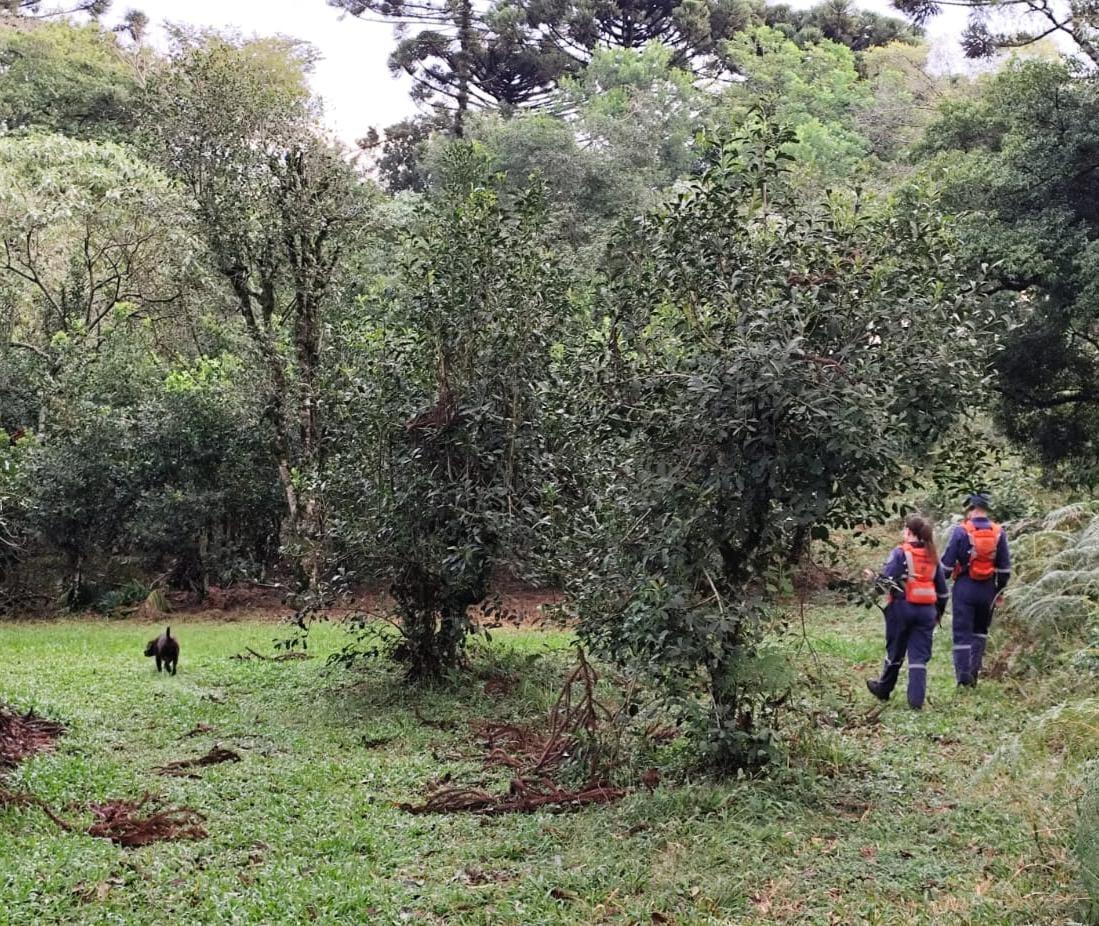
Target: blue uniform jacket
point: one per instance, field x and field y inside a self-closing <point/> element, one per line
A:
<point x="958" y="549"/>
<point x="893" y="575"/>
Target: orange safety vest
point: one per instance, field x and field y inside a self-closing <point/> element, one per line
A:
<point x="919" y="582"/>
<point x="983" y="542"/>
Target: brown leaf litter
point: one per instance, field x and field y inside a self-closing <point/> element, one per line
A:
<point x="25" y="735"/>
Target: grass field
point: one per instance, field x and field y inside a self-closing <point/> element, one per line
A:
<point x="961" y="814"/>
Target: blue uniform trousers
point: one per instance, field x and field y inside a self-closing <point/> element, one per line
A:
<point x="908" y="631"/>
<point x="971" y="609"/>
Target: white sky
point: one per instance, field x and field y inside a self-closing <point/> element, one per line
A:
<point x="352" y="76"/>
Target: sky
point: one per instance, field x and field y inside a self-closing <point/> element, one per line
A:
<point x="352" y="77"/>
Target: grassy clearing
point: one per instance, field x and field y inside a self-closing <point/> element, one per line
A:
<point x="960" y="815"/>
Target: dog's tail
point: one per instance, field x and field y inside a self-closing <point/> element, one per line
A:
<point x="168" y="632"/>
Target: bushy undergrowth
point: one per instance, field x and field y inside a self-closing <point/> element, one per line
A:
<point x="1053" y="606"/>
<point x="1051" y="620"/>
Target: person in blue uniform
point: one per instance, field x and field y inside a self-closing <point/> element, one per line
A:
<point x="978" y="558"/>
<point x="916" y="585"/>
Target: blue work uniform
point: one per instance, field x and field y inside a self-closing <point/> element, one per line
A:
<point x="973" y="601"/>
<point x="908" y="629"/>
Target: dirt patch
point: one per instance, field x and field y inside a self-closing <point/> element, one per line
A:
<point x="25" y="735"/>
<point x="510" y="604"/>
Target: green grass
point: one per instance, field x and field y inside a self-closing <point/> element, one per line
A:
<point x="962" y="814"/>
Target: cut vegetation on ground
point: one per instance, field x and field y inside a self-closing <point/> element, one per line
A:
<point x="964" y="814"/>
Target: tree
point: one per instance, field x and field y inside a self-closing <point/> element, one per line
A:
<point x="232" y="121"/>
<point x="815" y="89"/>
<point x="631" y="118"/>
<point x="165" y="462"/>
<point x="1021" y="161"/>
<point x="466" y="57"/>
<point x="770" y="362"/>
<point x="92" y="240"/>
<point x="61" y="77"/>
<point x="694" y="30"/>
<point x="39" y="9"/>
<point x="1075" y="20"/>
<point x="441" y="389"/>
<point x="840" y="22"/>
<point x="397" y="152"/>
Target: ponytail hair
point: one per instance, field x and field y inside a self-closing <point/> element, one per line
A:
<point x="924" y="532"/>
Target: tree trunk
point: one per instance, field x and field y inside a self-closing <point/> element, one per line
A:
<point x="462" y="65"/>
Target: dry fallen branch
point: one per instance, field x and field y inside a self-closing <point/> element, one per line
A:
<point x="26" y="799"/>
<point x="120" y="822"/>
<point x="522" y="798"/>
<point x="213" y="757"/>
<point x="250" y="654"/>
<point x="534" y="756"/>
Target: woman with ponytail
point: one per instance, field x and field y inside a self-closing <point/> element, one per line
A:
<point x="916" y="584"/>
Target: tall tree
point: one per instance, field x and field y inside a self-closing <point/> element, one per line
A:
<point x="841" y="22"/>
<point x="232" y="121"/>
<point x="1021" y="162"/>
<point x="466" y="57"/>
<point x="92" y="241"/>
<point x="68" y="78"/>
<point x="444" y="387"/>
<point x="763" y="364"/>
<point x="694" y="29"/>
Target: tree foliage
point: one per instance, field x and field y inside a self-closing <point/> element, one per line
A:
<point x="769" y="365"/>
<point x="75" y="80"/>
<point x="232" y="121"/>
<point x="444" y="385"/>
<point x="1020" y="161"/>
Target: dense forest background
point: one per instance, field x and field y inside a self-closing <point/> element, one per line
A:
<point x="648" y="300"/>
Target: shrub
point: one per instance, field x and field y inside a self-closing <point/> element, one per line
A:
<point x="766" y="374"/>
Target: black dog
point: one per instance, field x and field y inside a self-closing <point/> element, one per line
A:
<point x="166" y="650"/>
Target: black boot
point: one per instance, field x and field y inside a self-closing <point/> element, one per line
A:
<point x="875" y="688"/>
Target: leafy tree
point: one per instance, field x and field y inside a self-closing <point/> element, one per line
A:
<point x="815" y="89"/>
<point x="397" y="152"/>
<point x="627" y="137"/>
<point x="61" y="77"/>
<point x="277" y="206"/>
<point x="440" y="390"/>
<point x="770" y="363"/>
<point x="93" y="239"/>
<point x="1021" y="161"/>
<point x="905" y="96"/>
<point x="841" y="22"/>
<point x="166" y="462"/>
<point x="995" y="25"/>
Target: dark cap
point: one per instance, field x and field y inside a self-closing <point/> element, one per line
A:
<point x="977" y="500"/>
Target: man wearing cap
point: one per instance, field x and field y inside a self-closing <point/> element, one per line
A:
<point x="978" y="558"/>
